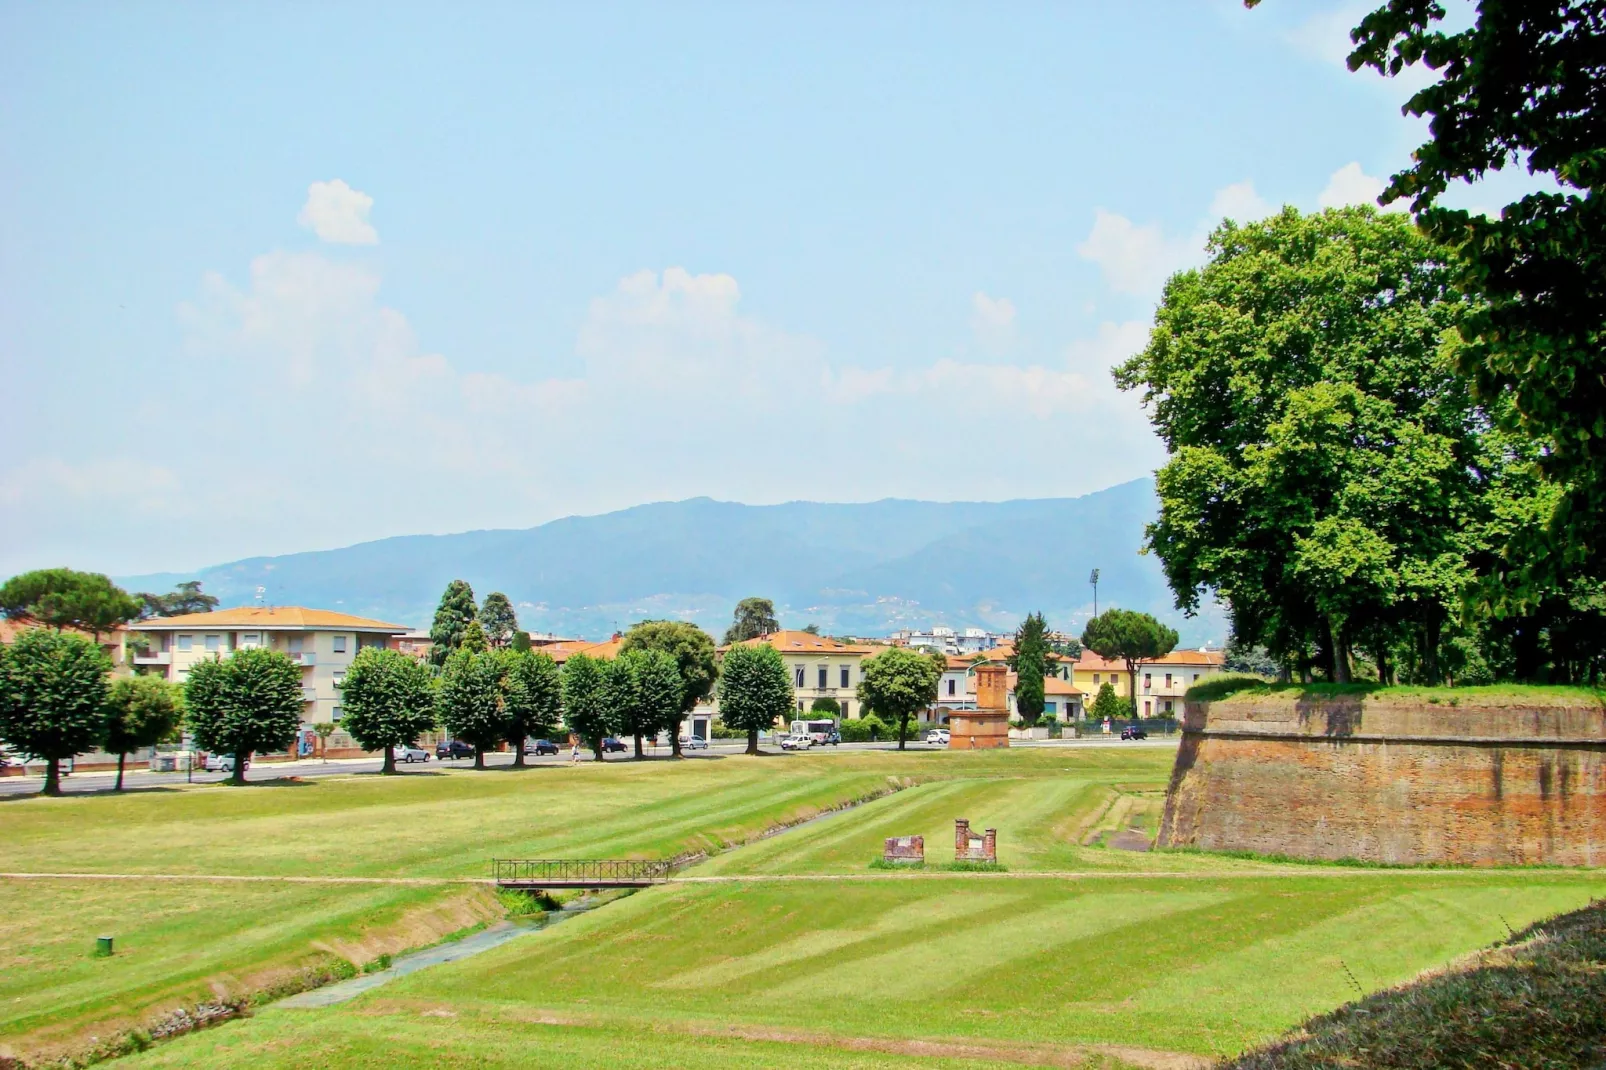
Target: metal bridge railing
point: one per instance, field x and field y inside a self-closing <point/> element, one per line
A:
<point x="580" y="872"/>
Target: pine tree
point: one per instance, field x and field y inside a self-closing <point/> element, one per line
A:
<point x="498" y="620"/>
<point x="1030" y="663"/>
<point x="452" y="618"/>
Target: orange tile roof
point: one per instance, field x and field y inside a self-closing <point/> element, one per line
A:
<point x="794" y="642"/>
<point x="560" y="652"/>
<point x="270" y="617"/>
<point x="1091" y="662"/>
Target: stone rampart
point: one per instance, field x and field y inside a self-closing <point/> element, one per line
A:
<point x="1392" y="779"/>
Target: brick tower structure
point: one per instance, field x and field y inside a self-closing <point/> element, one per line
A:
<point x="988" y="724"/>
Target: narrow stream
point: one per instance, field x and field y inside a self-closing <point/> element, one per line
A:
<point x="494" y="936"/>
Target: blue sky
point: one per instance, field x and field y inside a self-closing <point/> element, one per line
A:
<point x="276" y="277"/>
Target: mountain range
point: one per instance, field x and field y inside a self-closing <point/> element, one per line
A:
<point x="863" y="569"/>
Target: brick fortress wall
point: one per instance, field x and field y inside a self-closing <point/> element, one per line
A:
<point x="1392" y="781"/>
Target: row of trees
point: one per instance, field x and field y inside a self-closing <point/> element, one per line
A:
<point x="1387" y="435"/>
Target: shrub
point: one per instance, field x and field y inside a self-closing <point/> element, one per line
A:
<point x="860" y="731"/>
<point x="826" y="706"/>
<point x="1218" y="687"/>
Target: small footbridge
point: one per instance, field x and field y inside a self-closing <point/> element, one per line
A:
<point x="546" y="874"/>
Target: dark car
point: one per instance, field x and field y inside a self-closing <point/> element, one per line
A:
<point x="541" y="746"/>
<point x="453" y="748"/>
<point x="1134" y="731"/>
<point x="611" y="746"/>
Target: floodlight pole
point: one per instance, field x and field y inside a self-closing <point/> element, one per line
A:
<point x="1094" y="580"/>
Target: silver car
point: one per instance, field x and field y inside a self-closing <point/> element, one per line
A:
<point x="409" y="754"/>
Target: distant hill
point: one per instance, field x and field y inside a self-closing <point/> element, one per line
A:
<point x="863" y="569"/>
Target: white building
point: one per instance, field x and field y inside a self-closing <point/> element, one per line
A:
<point x="320" y="642"/>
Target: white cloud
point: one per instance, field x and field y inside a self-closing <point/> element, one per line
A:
<point x="1238" y="202"/>
<point x="1134" y="259"/>
<point x="1350" y="185"/>
<point x="339" y="214"/>
<point x="992" y="320"/>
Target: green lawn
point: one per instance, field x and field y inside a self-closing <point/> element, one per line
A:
<point x="1186" y="954"/>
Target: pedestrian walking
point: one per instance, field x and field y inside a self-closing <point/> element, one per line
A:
<point x="574" y="752"/>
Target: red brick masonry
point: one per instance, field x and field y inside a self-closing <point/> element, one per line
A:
<point x="1392" y="780"/>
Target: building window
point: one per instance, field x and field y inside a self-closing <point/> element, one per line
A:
<point x="1195" y="677"/>
<point x="1050" y="708"/>
<point x="1168" y="679"/>
<point x="847" y="708"/>
<point x="214" y="642"/>
<point x="951" y="685"/>
<point x="295" y="644"/>
<point x="823" y="672"/>
<point x="800" y="701"/>
<point x="1168" y="705"/>
<point x="340" y="644"/>
<point x="1095" y="678"/>
<point x="186" y="643"/>
<point x="340" y="679"/>
<point x="250" y="640"/>
<point x="797" y="677"/>
<point x="335" y="713"/>
<point x="845" y="671"/>
<point x="1148" y="681"/>
<point x="1148" y="707"/>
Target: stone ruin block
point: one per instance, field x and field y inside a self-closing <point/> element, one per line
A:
<point x="904" y="849"/>
<point x="969" y="847"/>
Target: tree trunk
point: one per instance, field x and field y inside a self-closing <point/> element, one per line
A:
<point x="237" y="777"/>
<point x="596" y="749"/>
<point x="479" y="756"/>
<point x="52" y="778"/>
<point x="1324" y="651"/>
<point x="388" y="765"/>
<point x="1383" y="668"/>
<point x="1132" y="682"/>
<point x="674" y="739"/>
<point x="639" y="754"/>
<point x="903" y="731"/>
<point x="752" y="741"/>
<point x="518" y="753"/>
<point x="121" y="758"/>
<point x="1339" y="649"/>
<point x="1430" y="653"/>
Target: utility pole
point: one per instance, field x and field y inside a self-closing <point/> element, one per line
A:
<point x="1094" y="580"/>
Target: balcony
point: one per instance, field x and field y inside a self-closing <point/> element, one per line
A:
<point x="154" y="657"/>
<point x="309" y="694"/>
<point x="302" y="657"/>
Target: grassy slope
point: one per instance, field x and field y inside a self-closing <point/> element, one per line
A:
<point x="1539" y="1000"/>
<point x="176" y="941"/>
<point x="1221" y="687"/>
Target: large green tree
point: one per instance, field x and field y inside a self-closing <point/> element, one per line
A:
<point x="533" y="702"/>
<point x="586" y="709"/>
<point x="388" y="701"/>
<point x="696" y="660"/>
<point x="1327" y="464"/>
<point x="64" y="598"/>
<point x="470" y="701"/>
<point x="755" y="690"/>
<point x="452" y="618"/>
<point x="1030" y="662"/>
<point x="498" y="620"/>
<point x="753" y="617"/>
<point x="1108" y="705"/>
<point x="242" y="704"/>
<point x="1130" y="637"/>
<point x="1520" y="84"/>
<point x="52" y="697"/>
<point x="140" y="711"/>
<point x="659" y="692"/>
<point x="185" y="597"/>
<point x="621" y="683"/>
<point x="897" y="684"/>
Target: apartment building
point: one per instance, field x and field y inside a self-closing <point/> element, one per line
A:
<point x="948" y="640"/>
<point x="1161" y="683"/>
<point x="820" y="667"/>
<point x="320" y="642"/>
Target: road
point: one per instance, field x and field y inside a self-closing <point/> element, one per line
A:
<point x="102" y="781"/>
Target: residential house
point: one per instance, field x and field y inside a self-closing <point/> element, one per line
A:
<point x="321" y="642"/>
<point x="956" y="689"/>
<point x="821" y="667"/>
<point x="1161" y="683"/>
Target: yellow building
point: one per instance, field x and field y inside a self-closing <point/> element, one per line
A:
<point x="1161" y="683"/>
<point x="820" y="667"/>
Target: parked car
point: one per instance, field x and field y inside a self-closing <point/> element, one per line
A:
<point x="796" y="742"/>
<point x="1134" y="731"/>
<point x="540" y="746"/>
<point x="693" y="743"/>
<point x="410" y="754"/>
<point x="222" y="763"/>
<point x="453" y="748"/>
<point x="938" y="736"/>
<point x="613" y="746"/>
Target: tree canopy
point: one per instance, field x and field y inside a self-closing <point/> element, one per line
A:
<point x="1129" y="637"/>
<point x="388" y="701"/>
<point x="185" y="598"/>
<point x="897" y="684"/>
<point x="1108" y="705"/>
<point x="140" y="711"/>
<point x="753" y="617"/>
<point x="452" y="618"/>
<point x="696" y="662"/>
<point x="1521" y="83"/>
<point x="64" y="598"/>
<point x="52" y="697"/>
<point x="1030" y="662"/>
<point x="498" y="620"/>
<point x="469" y="701"/>
<point x="754" y="690"/>
<point x="534" y="697"/>
<point x="245" y="703"/>
<point x="1329" y="473"/>
<point x="586" y="695"/>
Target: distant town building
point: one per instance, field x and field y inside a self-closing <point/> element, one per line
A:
<point x="948" y="640"/>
